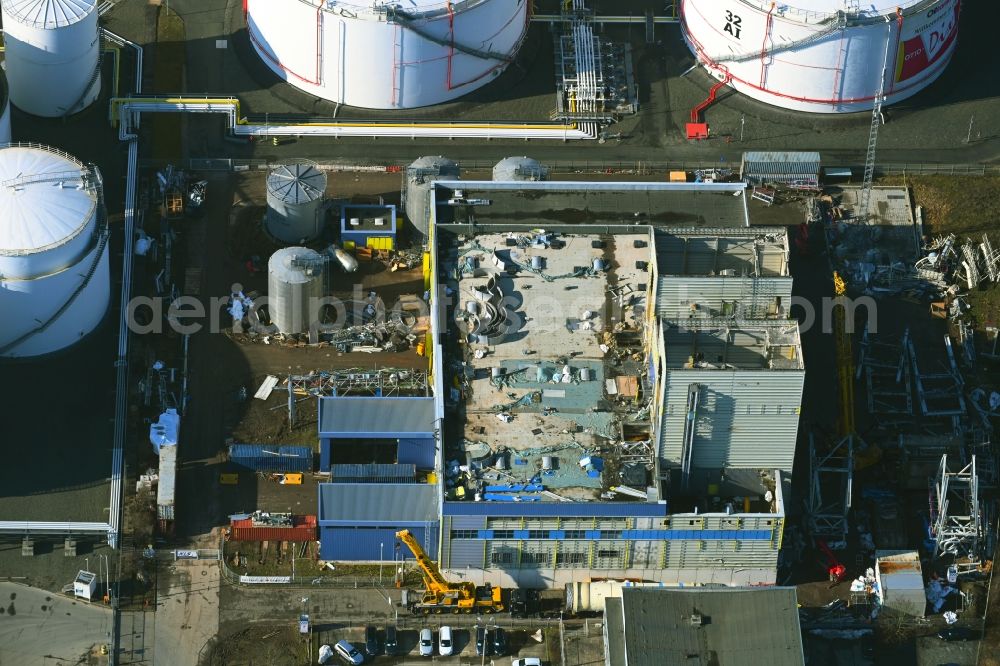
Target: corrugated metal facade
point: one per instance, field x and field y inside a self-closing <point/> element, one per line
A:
<point x="376" y="418"/>
<point x="373" y="473"/>
<point x="417" y="451"/>
<point x="780" y="167"/>
<point x="746" y="418"/>
<point x="262" y="458"/>
<point x="344" y="504"/>
<point x="749" y="298"/>
<point x="368" y="544"/>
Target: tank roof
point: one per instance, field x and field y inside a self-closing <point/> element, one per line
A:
<point x="295" y="265"/>
<point x="46" y="198"/>
<point x="48" y="13"/>
<point x="297" y="182"/>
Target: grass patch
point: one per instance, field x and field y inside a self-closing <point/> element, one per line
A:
<point x="168" y="77"/>
<point x="967" y="206"/>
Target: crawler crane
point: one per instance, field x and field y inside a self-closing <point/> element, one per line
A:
<point x="443" y="596"/>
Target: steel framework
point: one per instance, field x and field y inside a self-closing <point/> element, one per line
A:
<point x="955" y="512"/>
<point x="830" y="485"/>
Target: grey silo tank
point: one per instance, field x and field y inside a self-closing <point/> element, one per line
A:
<point x="519" y="168"/>
<point x="295" y="194"/>
<point x="295" y="279"/>
<point x="420" y="177"/>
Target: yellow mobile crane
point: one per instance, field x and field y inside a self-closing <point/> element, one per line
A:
<point x="443" y="596"/>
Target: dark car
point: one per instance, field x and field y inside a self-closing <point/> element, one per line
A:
<point x="958" y="634"/>
<point x="499" y="642"/>
<point x="483" y="644"/>
<point x="390" y="640"/>
<point x="371" y="640"/>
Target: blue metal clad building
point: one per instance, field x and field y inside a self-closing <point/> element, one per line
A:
<point x="265" y="458"/>
<point x="410" y="421"/>
<point x="359" y="521"/>
<point x="373" y="473"/>
<point x="557" y="509"/>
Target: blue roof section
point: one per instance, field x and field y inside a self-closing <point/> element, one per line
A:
<point x="375" y="504"/>
<point x="393" y="418"/>
<point x="557" y="509"/>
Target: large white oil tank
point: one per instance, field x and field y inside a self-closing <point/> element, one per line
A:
<point x="51" y="55"/>
<point x="386" y="54"/>
<point x="420" y="177"/>
<point x="519" y="168"/>
<point x="295" y="280"/>
<point x="823" y="56"/>
<point x="295" y="192"/>
<point x="54" y="280"/>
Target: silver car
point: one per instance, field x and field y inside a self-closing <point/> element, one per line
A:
<point x="426" y="643"/>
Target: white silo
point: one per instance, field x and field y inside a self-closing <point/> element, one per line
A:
<point x="52" y="50"/>
<point x="519" y="168"/>
<point x="822" y="56"/>
<point x="54" y="280"/>
<point x="295" y="193"/>
<point x="295" y="280"/>
<point x="420" y="177"/>
<point x="384" y="54"/>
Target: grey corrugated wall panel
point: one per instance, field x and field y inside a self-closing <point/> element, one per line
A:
<point x="746" y="418"/>
<point x="780" y="166"/>
<point x="466" y="553"/>
<point x="468" y="522"/>
<point x="675" y="295"/>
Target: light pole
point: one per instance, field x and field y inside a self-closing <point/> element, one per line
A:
<point x="380" y="547"/>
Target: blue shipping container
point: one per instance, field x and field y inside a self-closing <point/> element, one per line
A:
<point x="263" y="458"/>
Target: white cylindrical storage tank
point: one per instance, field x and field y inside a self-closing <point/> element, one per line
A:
<point x="823" y="56"/>
<point x="51" y="55"/>
<point x="295" y="201"/>
<point x="383" y="54"/>
<point x="54" y="278"/>
<point x="295" y="278"/>
<point x="420" y="177"/>
<point x="519" y="168"/>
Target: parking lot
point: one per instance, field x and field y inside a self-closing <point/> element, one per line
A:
<point x="521" y="643"/>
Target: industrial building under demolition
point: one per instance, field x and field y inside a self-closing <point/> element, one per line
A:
<point x="598" y="392"/>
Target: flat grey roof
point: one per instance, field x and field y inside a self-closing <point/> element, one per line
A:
<point x="718" y="344"/>
<point x="547" y="203"/>
<point x="738" y="627"/>
<point x="377" y="503"/>
<point x="614" y="632"/>
<point x="375" y="417"/>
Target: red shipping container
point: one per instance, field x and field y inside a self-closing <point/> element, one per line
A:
<point x="303" y="529"/>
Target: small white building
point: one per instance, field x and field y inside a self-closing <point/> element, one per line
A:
<point x="900" y="581"/>
<point x="85" y="585"/>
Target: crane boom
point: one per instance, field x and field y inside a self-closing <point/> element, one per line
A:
<point x="845" y="358"/>
<point x="434" y="581"/>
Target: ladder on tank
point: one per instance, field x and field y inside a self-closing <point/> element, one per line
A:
<point x="864" y="203"/>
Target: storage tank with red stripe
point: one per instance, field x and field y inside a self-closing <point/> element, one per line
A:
<point x="823" y="56"/>
<point x="385" y="54"/>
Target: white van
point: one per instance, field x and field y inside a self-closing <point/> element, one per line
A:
<point x="446" y="645"/>
<point x="426" y="643"/>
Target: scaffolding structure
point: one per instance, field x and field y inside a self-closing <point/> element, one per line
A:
<point x="886" y="367"/>
<point x="831" y="477"/>
<point x="380" y="382"/>
<point x="956" y="525"/>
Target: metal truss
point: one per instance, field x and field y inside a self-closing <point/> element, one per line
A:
<point x="955" y="512"/>
<point x="831" y="476"/>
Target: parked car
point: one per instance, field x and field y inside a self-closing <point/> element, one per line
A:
<point x="371" y="640"/>
<point x="499" y="642"/>
<point x="483" y="642"/>
<point x="390" y="640"/>
<point x="426" y="643"/>
<point x="527" y="661"/>
<point x="445" y="644"/>
<point x="349" y="653"/>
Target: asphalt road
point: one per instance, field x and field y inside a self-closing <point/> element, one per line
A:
<point x="39" y="627"/>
